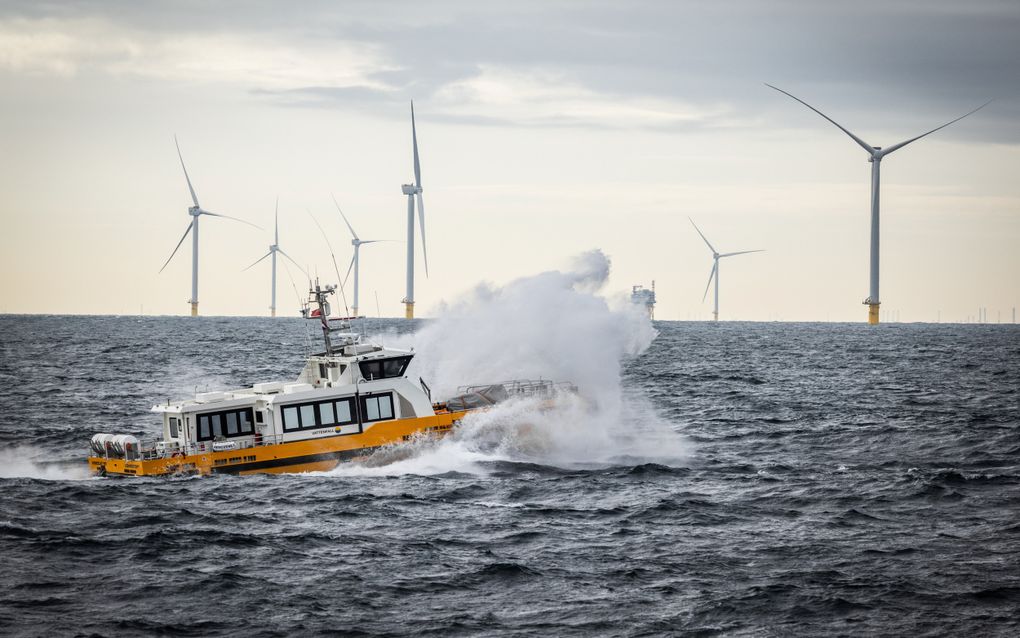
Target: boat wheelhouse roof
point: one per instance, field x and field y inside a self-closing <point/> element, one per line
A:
<point x="268" y="390"/>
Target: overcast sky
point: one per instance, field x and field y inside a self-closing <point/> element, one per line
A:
<point x="545" y="129"/>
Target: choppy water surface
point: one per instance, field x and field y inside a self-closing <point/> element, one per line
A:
<point x="810" y="479"/>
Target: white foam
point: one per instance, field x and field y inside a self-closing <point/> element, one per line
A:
<point x="554" y="326"/>
<point x="17" y="463"/>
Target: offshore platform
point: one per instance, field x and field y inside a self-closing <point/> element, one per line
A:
<point x="644" y="297"/>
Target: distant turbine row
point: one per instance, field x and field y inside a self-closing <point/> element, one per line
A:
<point x="413" y="192"/>
<point x="414" y="196"/>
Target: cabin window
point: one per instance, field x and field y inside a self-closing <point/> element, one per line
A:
<point x="343" y="411"/>
<point x="229" y="423"/>
<point x="377" y="408"/>
<point x="395" y="367"/>
<point x="218" y="431"/>
<point x="308" y="415"/>
<point x="204" y="432"/>
<point x="323" y="373"/>
<point x="290" y="418"/>
<point x="384" y="368"/>
<point x="173" y="427"/>
<point x="259" y="417"/>
<point x="245" y="422"/>
<point x="326" y="414"/>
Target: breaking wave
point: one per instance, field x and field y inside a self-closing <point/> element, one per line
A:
<point x="556" y="326"/>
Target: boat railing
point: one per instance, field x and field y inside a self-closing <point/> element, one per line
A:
<point x="523" y="387"/>
<point x="158" y="449"/>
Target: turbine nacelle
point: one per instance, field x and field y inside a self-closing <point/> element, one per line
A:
<point x="409" y="189"/>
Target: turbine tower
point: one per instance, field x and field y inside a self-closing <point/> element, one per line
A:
<point x="273" y="249"/>
<point x="413" y="191"/>
<point x="875" y="153"/>
<point x="356" y="259"/>
<point x="195" y="211"/>
<point x="716" y="256"/>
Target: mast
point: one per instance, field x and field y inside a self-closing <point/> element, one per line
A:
<point x="320" y="294"/>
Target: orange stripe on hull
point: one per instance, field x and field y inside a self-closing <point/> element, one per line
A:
<point x="309" y="455"/>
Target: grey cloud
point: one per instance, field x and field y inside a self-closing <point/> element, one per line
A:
<point x="893" y="66"/>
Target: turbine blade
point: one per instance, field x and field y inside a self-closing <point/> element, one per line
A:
<point x="258" y="260"/>
<point x="863" y="144"/>
<point x="349" y="268"/>
<point x="205" y="212"/>
<point x="276" y="223"/>
<point x="414" y="139"/>
<point x="742" y="252"/>
<point x="292" y="261"/>
<point x="194" y="197"/>
<point x="421" y="223"/>
<point x="374" y="241"/>
<point x="188" y="230"/>
<point x="715" y="264"/>
<point x="702" y="236"/>
<point x="895" y="147"/>
<point x="349" y="227"/>
<point x="331" y="253"/>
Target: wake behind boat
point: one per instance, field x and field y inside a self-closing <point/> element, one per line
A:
<point x="348" y="401"/>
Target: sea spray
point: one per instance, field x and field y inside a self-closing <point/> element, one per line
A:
<point x="554" y="326"/>
<point x="18" y="462"/>
<point x="551" y="325"/>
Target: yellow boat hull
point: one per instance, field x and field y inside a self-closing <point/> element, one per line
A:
<point x="311" y="455"/>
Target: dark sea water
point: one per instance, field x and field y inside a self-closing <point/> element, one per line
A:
<point x="835" y="479"/>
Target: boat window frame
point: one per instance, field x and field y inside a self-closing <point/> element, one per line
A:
<point x="376" y="396"/>
<point x="319" y="422"/>
<point x="216" y="424"/>
<point x="352" y="411"/>
<point x="311" y="410"/>
<point x="173" y="424"/>
<point x="404" y="360"/>
<point x="242" y="422"/>
<point x="321" y="407"/>
<point x="287" y="426"/>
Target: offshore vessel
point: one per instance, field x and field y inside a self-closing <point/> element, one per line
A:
<point x="348" y="401"/>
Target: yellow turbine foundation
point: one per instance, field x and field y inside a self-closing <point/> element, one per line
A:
<point x="408" y="310"/>
<point x="194" y="308"/>
<point x="873" y="314"/>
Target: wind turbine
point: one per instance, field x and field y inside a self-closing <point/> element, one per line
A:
<point x="875" y="153"/>
<point x="413" y="191"/>
<point x="195" y="211"/>
<point x="716" y="256"/>
<point x="356" y="259"/>
<point x="273" y="249"/>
